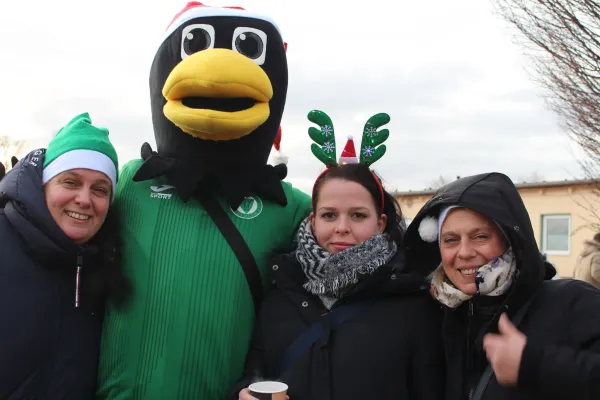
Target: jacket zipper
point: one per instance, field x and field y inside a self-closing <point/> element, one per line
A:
<point x="78" y="277"/>
<point x="468" y="353"/>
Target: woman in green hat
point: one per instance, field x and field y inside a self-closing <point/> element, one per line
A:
<point x="59" y="263"/>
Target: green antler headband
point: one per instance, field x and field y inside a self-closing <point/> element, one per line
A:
<point x="371" y="148"/>
<point x="324" y="138"/>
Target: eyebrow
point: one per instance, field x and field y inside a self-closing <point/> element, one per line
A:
<point x="97" y="181"/>
<point x="334" y="208"/>
<point x="472" y="231"/>
<point x="104" y="181"/>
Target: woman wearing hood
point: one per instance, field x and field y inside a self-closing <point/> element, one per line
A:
<point x="510" y="332"/>
<point x="59" y="262"/>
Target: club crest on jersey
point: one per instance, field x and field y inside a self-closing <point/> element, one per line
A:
<point x="250" y="208"/>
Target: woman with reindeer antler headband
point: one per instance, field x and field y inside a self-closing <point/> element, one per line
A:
<point x="346" y="319"/>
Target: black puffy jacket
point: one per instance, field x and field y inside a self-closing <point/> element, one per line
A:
<point x="389" y="350"/>
<point x="49" y="348"/>
<point x="561" y="359"/>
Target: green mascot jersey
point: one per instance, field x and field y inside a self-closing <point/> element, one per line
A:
<point x="192" y="305"/>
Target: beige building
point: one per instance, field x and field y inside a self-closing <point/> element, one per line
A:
<point x="563" y="215"/>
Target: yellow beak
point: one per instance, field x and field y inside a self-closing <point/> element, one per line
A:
<point x="222" y="79"/>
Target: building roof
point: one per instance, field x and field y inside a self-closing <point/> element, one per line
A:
<point x="524" y="185"/>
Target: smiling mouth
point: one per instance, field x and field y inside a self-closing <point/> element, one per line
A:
<point x="469" y="272"/>
<point x="219" y="104"/>
<point x="77" y="216"/>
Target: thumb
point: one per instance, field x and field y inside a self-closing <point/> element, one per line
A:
<point x="505" y="327"/>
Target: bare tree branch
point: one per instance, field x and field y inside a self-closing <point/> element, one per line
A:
<point x="439" y="182"/>
<point x="562" y="37"/>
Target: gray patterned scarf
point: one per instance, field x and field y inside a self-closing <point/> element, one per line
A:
<point x="331" y="275"/>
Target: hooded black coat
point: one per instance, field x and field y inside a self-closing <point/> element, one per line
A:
<point x="561" y="359"/>
<point x="49" y="348"/>
<point x="389" y="350"/>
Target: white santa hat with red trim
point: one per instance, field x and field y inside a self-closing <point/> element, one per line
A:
<point x="349" y="153"/>
<point x="195" y="9"/>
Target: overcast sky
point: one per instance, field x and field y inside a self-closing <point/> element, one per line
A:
<point x="447" y="72"/>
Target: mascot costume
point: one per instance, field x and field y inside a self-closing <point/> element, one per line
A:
<point x="204" y="212"/>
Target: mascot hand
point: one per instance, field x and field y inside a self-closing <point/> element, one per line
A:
<point x="14" y="160"/>
<point x="147" y="151"/>
<point x="2" y="171"/>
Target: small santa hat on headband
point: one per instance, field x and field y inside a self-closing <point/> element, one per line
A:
<point x="279" y="157"/>
<point x="349" y="154"/>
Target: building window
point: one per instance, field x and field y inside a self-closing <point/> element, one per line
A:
<point x="556" y="234"/>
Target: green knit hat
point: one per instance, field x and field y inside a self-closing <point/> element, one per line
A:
<point x="79" y="144"/>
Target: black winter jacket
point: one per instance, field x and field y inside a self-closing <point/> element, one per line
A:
<point x="389" y="350"/>
<point x="49" y="348"/>
<point x="561" y="359"/>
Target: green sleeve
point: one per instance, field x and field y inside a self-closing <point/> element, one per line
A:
<point x="303" y="207"/>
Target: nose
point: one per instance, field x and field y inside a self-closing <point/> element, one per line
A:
<point x="343" y="225"/>
<point x="466" y="250"/>
<point x="83" y="198"/>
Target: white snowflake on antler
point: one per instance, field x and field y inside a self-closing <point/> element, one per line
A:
<point x="371" y="131"/>
<point x="368" y="151"/>
<point x="327" y="130"/>
<point x="328" y="147"/>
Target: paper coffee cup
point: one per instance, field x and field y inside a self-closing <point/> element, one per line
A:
<point x="268" y="390"/>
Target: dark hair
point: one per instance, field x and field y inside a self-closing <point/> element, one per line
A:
<point x="361" y="174"/>
<point x="107" y="280"/>
<point x="597" y="237"/>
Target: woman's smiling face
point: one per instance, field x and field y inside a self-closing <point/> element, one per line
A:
<point x="78" y="200"/>
<point x="468" y="240"/>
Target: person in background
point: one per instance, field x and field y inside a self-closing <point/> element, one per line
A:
<point x="59" y="263"/>
<point x="510" y="331"/>
<point x="587" y="267"/>
<point x="14" y="160"/>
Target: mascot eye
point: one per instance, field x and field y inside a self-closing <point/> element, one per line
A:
<point x="251" y="43"/>
<point x="196" y="38"/>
